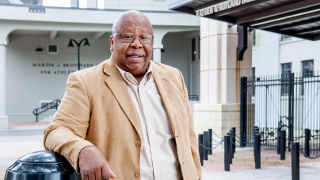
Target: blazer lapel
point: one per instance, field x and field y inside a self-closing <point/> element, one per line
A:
<point x="119" y="88"/>
<point x="165" y="89"/>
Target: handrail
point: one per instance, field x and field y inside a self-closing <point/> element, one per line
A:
<point x="45" y="107"/>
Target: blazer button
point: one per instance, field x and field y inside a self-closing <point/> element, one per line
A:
<point x="137" y="174"/>
<point x="138" y="144"/>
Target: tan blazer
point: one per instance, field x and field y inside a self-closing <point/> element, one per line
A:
<point x="97" y="110"/>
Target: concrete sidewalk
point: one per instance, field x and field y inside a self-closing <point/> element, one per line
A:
<point x="21" y="140"/>
<point x="307" y="171"/>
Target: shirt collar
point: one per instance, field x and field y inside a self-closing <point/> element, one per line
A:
<point x="125" y="74"/>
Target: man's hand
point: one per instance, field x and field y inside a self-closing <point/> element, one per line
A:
<point x="93" y="166"/>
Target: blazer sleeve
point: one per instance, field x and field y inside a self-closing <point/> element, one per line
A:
<point x="192" y="133"/>
<point x="67" y="132"/>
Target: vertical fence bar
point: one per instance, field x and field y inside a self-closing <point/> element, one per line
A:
<point x="243" y="112"/>
<point x="295" y="166"/>
<point x="284" y="91"/>
<point x="274" y="120"/>
<point x="314" y="116"/>
<point x="290" y="109"/>
<point x="227" y="153"/>
<point x="257" y="151"/>
<point x="206" y="145"/>
<point x="296" y="112"/>
<point x="316" y="133"/>
<point x="266" y="112"/>
<point x="282" y="145"/>
<point x="200" y="139"/>
<point x="210" y="141"/>
<point x="306" y="142"/>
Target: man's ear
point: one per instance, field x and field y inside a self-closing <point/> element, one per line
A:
<point x="111" y="40"/>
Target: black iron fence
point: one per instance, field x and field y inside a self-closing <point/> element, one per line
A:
<point x="285" y="109"/>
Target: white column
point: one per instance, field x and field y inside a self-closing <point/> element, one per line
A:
<point x="220" y="73"/>
<point x="3" y="104"/>
<point x="157" y="52"/>
<point x="158" y="34"/>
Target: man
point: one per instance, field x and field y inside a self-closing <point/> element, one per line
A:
<point x="127" y="118"/>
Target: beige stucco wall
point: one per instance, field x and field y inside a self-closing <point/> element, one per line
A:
<point x="220" y="73"/>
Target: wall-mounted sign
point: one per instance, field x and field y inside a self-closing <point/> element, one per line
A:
<point x="59" y="68"/>
<point x="222" y="6"/>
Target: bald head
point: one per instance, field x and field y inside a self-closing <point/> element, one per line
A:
<point x="130" y="16"/>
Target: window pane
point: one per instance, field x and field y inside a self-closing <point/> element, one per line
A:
<point x="307" y="68"/>
<point x="307" y="71"/>
<point x="285" y="73"/>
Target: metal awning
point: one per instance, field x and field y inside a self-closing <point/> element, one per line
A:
<point x="299" y="18"/>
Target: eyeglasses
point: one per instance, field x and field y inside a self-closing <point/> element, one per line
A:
<point x="129" y="37"/>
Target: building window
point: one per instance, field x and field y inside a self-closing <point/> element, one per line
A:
<point x="307" y="71"/>
<point x="285" y="74"/>
<point x="307" y="68"/>
<point x="285" y="38"/>
<point x="286" y="69"/>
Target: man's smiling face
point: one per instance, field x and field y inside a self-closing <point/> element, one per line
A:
<point x="132" y="57"/>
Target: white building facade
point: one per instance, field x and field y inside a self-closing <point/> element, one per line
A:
<point x="274" y="54"/>
<point x="35" y="59"/>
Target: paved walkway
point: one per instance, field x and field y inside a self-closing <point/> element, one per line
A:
<point x="18" y="140"/>
<point x="23" y="139"/>
<point x="307" y="171"/>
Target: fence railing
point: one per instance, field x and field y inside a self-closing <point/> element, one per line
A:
<point x="289" y="103"/>
<point x="45" y="107"/>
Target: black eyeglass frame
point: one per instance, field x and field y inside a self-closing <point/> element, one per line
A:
<point x="134" y="37"/>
